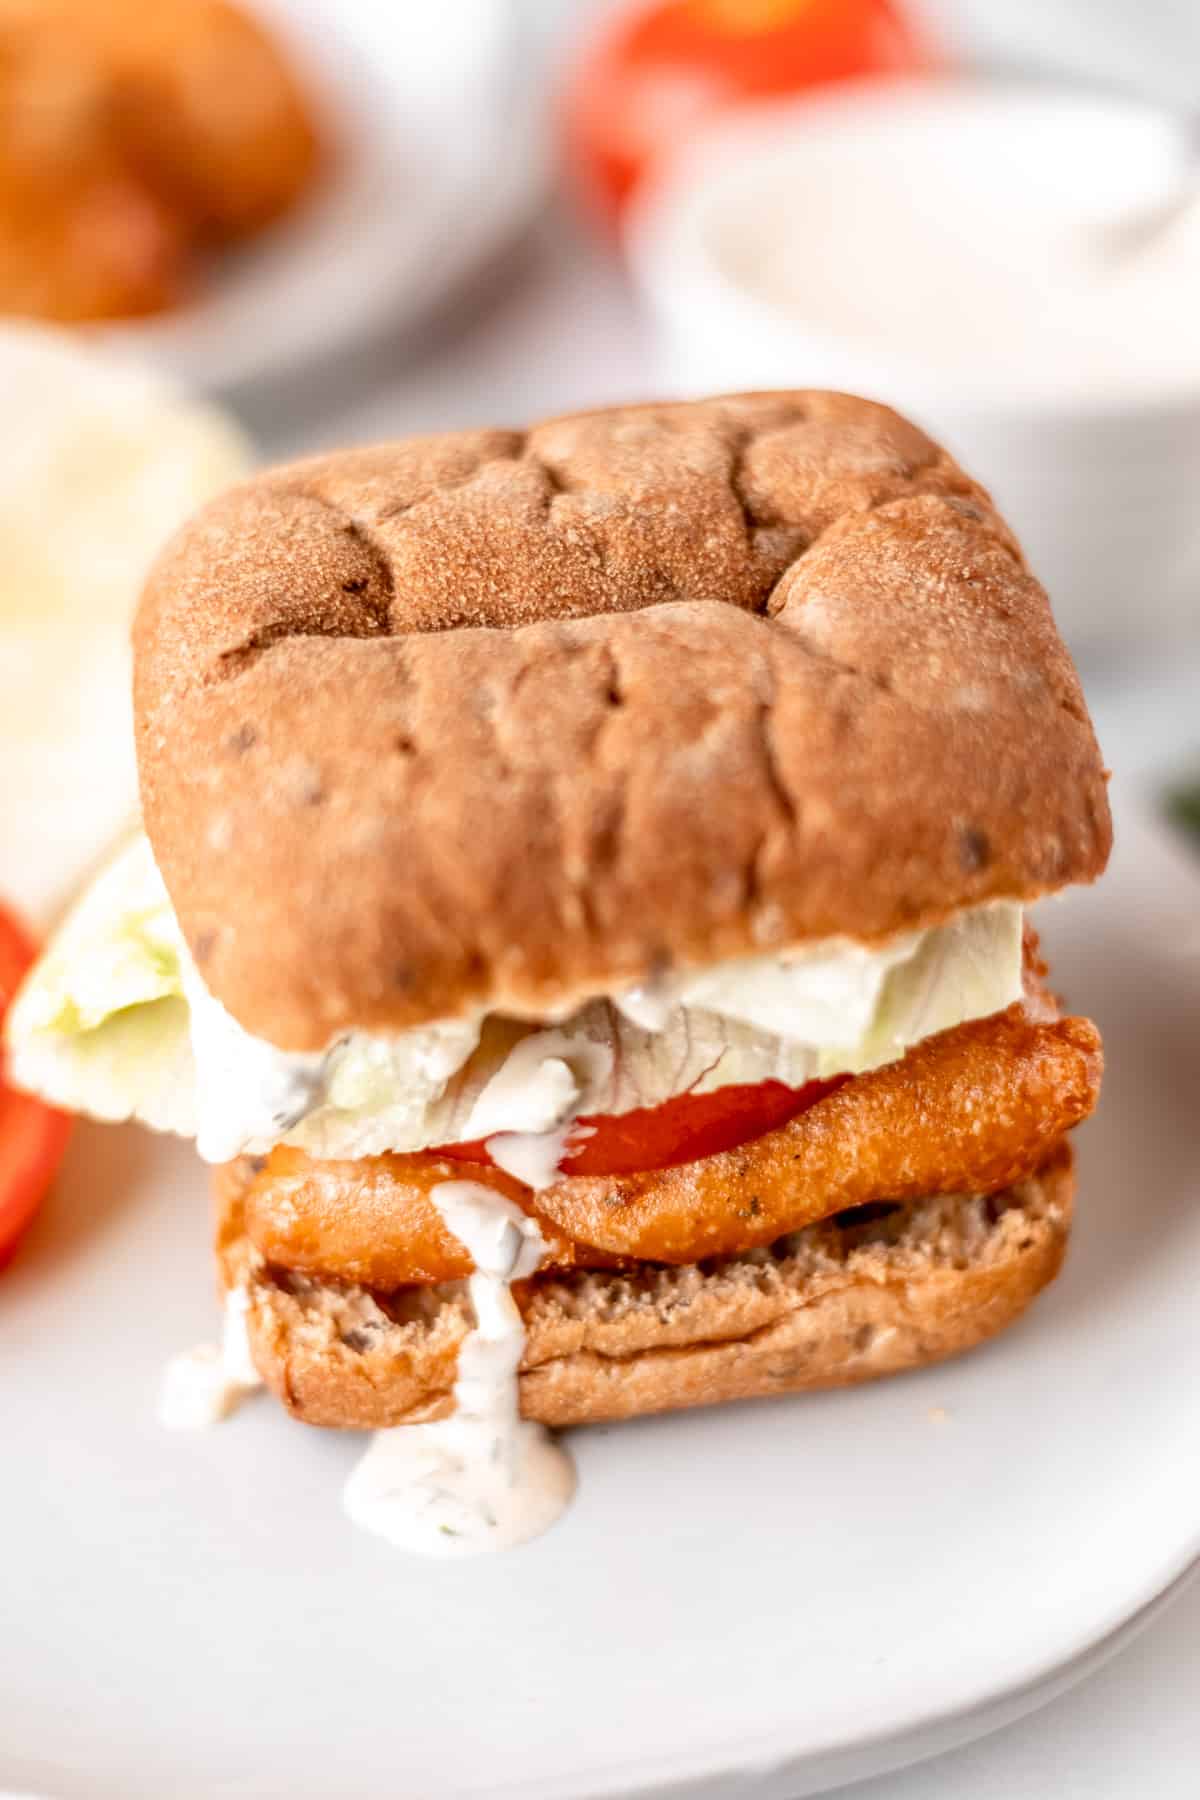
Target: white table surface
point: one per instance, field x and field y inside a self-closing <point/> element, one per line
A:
<point x="555" y="329"/>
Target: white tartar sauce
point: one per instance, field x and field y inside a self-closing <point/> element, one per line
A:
<point x="202" y="1386"/>
<point x="483" y="1479"/>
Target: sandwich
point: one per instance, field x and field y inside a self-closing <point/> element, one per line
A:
<point x="581" y="915"/>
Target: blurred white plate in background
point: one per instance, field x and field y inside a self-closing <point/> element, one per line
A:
<point x="765" y="1599"/>
<point x="439" y="159"/>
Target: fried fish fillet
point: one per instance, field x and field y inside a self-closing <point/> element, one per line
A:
<point x="211" y="111"/>
<point x="854" y="1298"/>
<point x="970" y="1110"/>
<point x="81" y="234"/>
<point x="130" y="137"/>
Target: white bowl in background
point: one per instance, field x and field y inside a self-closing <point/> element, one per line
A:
<point x="1094" y="453"/>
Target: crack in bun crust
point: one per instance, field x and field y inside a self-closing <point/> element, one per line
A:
<point x="500" y="719"/>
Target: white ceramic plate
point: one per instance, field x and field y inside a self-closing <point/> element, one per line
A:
<point x="439" y="159"/>
<point x="768" y="1599"/>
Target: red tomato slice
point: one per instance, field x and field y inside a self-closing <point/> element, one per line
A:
<point x="681" y="1130"/>
<point x="17" y="951"/>
<point x="33" y="1135"/>
<point x="657" y="72"/>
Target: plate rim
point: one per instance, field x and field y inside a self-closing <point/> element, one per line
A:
<point x="825" y="1769"/>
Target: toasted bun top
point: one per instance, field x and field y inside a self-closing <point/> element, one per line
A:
<point x="498" y="718"/>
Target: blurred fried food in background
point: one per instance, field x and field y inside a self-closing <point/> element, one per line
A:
<point x="134" y="136"/>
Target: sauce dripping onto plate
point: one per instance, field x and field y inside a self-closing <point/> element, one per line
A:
<point x="484" y="1478"/>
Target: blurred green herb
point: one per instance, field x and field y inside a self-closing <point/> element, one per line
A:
<point x="1183" y="808"/>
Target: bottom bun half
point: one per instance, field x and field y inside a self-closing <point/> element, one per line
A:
<point x="868" y="1293"/>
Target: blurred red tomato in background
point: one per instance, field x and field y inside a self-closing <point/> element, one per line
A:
<point x="33" y="1136"/>
<point x="658" y="71"/>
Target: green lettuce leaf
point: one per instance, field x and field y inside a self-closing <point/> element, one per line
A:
<point x="103" y="1025"/>
<point x="100" y="1025"/>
